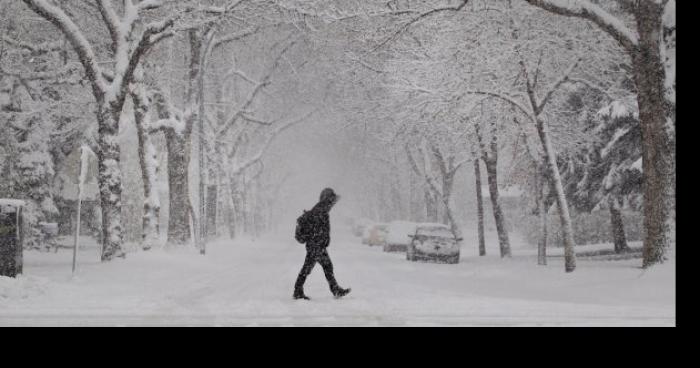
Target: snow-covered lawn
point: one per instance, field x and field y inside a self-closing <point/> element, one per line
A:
<point x="250" y="283"/>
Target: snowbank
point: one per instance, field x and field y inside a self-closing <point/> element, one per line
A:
<point x="21" y="287"/>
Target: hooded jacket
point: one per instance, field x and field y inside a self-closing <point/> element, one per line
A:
<point x="320" y="220"/>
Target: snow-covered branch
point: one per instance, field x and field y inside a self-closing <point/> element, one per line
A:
<point x="254" y="93"/>
<point x="271" y="136"/>
<point x="251" y="119"/>
<point x="149" y="4"/>
<point x="587" y="10"/>
<point x="128" y="61"/>
<point x="222" y="10"/>
<point x="221" y="41"/>
<point x="111" y="20"/>
<point x="459" y="164"/>
<point x="241" y="110"/>
<point x="538" y="106"/>
<point x="38" y="48"/>
<point x="417" y="18"/>
<point x="528" y="112"/>
<point x="63" y="72"/>
<point x="80" y="44"/>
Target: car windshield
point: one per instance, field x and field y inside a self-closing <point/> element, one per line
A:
<point x="435" y="232"/>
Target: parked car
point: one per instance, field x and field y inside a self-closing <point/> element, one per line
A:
<point x="399" y="235"/>
<point x="377" y="234"/>
<point x="359" y="226"/>
<point x="365" y="234"/>
<point x="433" y="243"/>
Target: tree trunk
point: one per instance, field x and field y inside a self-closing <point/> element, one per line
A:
<point x="480" y="208"/>
<point x="451" y="219"/>
<point x="445" y="215"/>
<point x="211" y="208"/>
<point x="617" y="226"/>
<point x="231" y="210"/>
<point x="178" y="183"/>
<point x="238" y="203"/>
<point x="492" y="178"/>
<point x="149" y="173"/>
<point x="431" y="206"/>
<point x="243" y="207"/>
<point x="542" y="213"/>
<point x="396" y="201"/>
<point x="565" y="218"/>
<point x="658" y="146"/>
<point x="110" y="181"/>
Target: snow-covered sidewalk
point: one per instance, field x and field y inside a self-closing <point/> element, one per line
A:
<point x="250" y="283"/>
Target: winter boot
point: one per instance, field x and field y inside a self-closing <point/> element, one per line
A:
<point x="300" y="295"/>
<point x="340" y="292"/>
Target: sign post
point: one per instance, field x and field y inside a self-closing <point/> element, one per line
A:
<point x="84" y="161"/>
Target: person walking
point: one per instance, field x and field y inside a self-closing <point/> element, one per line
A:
<point x="316" y="228"/>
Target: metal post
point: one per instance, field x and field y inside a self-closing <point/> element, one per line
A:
<point x="77" y="233"/>
<point x="81" y="175"/>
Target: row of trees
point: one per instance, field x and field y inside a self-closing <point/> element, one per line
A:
<point x="577" y="96"/>
<point x="581" y="94"/>
<point x="220" y="97"/>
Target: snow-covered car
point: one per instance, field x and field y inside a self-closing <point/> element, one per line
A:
<point x="377" y="234"/>
<point x="359" y="226"/>
<point x="433" y="243"/>
<point x="399" y="235"/>
<point x="365" y="234"/>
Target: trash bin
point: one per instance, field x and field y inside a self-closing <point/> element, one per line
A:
<point x="11" y="241"/>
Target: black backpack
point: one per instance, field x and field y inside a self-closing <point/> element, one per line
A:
<point x="304" y="228"/>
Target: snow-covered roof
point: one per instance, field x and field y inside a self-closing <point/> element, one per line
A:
<point x="11" y="202"/>
<point x="399" y="232"/>
<point x="10" y="205"/>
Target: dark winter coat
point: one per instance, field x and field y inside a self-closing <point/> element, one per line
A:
<point x="320" y="220"/>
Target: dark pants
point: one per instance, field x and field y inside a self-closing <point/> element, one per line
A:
<point x="313" y="255"/>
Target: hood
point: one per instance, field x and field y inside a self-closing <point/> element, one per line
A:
<point x="328" y="198"/>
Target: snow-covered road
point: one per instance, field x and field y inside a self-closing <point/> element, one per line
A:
<point x="250" y="283"/>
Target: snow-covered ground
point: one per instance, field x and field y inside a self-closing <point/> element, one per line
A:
<point x="250" y="283"/>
